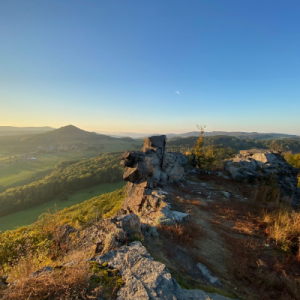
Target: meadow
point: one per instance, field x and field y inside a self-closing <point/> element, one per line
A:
<point x="30" y="215"/>
<point x="24" y="172"/>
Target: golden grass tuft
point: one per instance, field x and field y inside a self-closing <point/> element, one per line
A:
<point x="186" y="233"/>
<point x="69" y="283"/>
<point x="283" y="226"/>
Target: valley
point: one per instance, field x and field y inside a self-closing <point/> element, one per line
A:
<point x="31" y="215"/>
<point x="25" y="159"/>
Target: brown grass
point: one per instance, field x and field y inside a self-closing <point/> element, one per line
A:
<point x="283" y="226"/>
<point x="186" y="233"/>
<point x="266" y="191"/>
<point x="71" y="283"/>
<point x="195" y="203"/>
<point x="259" y="275"/>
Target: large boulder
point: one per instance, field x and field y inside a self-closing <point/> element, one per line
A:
<point x="147" y="279"/>
<point x="260" y="164"/>
<point x="148" y="171"/>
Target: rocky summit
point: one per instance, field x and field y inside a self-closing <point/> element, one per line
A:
<point x="147" y="172"/>
<point x="179" y="233"/>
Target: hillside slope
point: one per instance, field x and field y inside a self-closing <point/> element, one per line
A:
<point x="65" y="134"/>
<point x="67" y="176"/>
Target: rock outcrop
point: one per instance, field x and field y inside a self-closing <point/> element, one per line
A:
<point x="259" y="164"/>
<point x="147" y="279"/>
<point x="147" y="171"/>
<point x="114" y="232"/>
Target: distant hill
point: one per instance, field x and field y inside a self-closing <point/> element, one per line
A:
<point x="236" y="143"/>
<point x="238" y="134"/>
<point x="10" y="130"/>
<point x="65" y="134"/>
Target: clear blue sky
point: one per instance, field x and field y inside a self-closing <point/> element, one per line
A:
<point x="151" y="66"/>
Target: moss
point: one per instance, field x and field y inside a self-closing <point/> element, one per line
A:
<point x="136" y="237"/>
<point x="110" y="280"/>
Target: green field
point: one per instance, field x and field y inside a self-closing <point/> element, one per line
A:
<point x="25" y="172"/>
<point x="30" y="215"/>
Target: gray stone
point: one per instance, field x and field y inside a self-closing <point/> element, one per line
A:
<point x="179" y="216"/>
<point x="145" y="278"/>
<point x="113" y="232"/>
<point x="226" y="194"/>
<point x="206" y="273"/>
<point x="129" y="223"/>
<point x="259" y="164"/>
<point x="148" y="171"/>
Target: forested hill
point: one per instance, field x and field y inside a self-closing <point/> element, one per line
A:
<point x="239" y="134"/>
<point x="66" y="177"/>
<point x="284" y="144"/>
<point x="65" y="134"/>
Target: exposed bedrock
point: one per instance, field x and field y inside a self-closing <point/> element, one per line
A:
<point x="147" y="279"/>
<point x="148" y="171"/>
<point x="259" y="164"/>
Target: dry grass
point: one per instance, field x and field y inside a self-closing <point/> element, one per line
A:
<point x="70" y="283"/>
<point x="259" y="274"/>
<point x="195" y="203"/>
<point x="186" y="233"/>
<point x="266" y="191"/>
<point x="283" y="227"/>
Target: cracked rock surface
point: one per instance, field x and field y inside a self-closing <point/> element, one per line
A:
<point x="146" y="172"/>
<point x="146" y="279"/>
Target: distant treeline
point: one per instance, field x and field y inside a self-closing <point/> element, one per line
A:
<point x="283" y="144"/>
<point x="67" y="176"/>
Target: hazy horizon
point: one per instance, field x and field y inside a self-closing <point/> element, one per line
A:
<point x="151" y="66"/>
<point x="140" y="133"/>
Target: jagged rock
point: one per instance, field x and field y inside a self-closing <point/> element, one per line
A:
<point x="258" y="164"/>
<point x="113" y="232"/>
<point x="145" y="172"/>
<point x="146" y="279"/>
<point x="129" y="223"/>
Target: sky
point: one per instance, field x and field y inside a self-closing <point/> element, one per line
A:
<point x="151" y="66"/>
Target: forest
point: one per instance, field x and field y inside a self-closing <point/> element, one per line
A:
<point x="284" y="144"/>
<point x="66" y="177"/>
